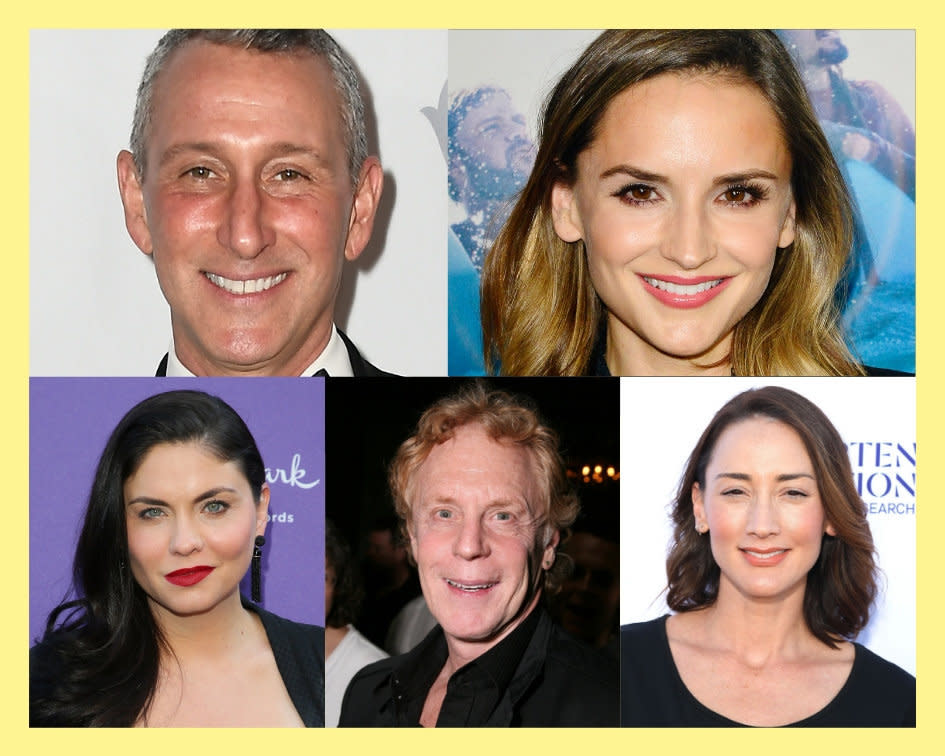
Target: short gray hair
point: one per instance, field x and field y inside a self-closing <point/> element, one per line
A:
<point x="317" y="42"/>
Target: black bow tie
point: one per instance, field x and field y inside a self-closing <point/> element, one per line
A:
<point x="322" y="373"/>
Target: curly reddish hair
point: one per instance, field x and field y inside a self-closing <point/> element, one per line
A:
<point x="508" y="419"/>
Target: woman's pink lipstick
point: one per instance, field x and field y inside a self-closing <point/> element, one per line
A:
<point x="764" y="557"/>
<point x="189" y="576"/>
<point x="684" y="293"/>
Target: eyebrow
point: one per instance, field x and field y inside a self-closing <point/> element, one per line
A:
<point x="728" y="178"/>
<point x="151" y="501"/>
<point x="780" y="479"/>
<point x="634" y="172"/>
<point x="500" y="502"/>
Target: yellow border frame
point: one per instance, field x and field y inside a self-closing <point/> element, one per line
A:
<point x="475" y="14"/>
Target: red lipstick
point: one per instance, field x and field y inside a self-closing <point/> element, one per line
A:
<point x="188" y="576"/>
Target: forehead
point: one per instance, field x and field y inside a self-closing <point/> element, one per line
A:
<point x="205" y="85"/>
<point x="179" y="466"/>
<point x="475" y="467"/>
<point x="716" y="122"/>
<point x="760" y="443"/>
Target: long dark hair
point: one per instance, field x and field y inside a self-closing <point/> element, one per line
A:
<point x="841" y="585"/>
<point x="98" y="665"/>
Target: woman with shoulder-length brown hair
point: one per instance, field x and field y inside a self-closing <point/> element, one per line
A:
<point x="684" y="215"/>
<point x="771" y="574"/>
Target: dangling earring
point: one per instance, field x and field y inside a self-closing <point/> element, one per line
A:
<point x="255" y="568"/>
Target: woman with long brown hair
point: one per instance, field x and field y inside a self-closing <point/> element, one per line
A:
<point x="684" y="216"/>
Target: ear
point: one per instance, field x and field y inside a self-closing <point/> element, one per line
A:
<point x="262" y="510"/>
<point x="367" y="195"/>
<point x="564" y="213"/>
<point x="829" y="529"/>
<point x="698" y="506"/>
<point x="788" y="228"/>
<point x="548" y="555"/>
<point x="132" y="198"/>
<point x="411" y="539"/>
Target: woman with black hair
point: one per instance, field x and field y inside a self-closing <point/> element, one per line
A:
<point x="159" y="634"/>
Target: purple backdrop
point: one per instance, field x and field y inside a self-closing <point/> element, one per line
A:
<point x="70" y="421"/>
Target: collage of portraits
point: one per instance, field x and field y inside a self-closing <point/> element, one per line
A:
<point x="577" y="369"/>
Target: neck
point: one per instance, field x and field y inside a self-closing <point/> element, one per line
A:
<point x="758" y="631"/>
<point x="628" y="354"/>
<point x="462" y="652"/>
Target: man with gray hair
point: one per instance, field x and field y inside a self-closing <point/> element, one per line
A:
<point x="248" y="183"/>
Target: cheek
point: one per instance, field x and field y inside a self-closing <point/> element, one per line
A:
<point x="173" y="218"/>
<point x="146" y="548"/>
<point x="317" y="227"/>
<point x="612" y="240"/>
<point x="233" y="540"/>
<point x="754" y="245"/>
<point x="809" y="526"/>
<point x="428" y="544"/>
<point x="724" y="524"/>
<point x="521" y="554"/>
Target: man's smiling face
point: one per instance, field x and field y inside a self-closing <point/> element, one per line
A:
<point x="246" y="206"/>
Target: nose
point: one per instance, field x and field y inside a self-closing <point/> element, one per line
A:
<point x="245" y="228"/>
<point x="471" y="540"/>
<point x="186" y="538"/>
<point x="688" y="241"/>
<point x="763" y="518"/>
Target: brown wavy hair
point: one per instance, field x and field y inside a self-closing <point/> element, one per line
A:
<point x="507" y="418"/>
<point x="841" y="585"/>
<point x="540" y="312"/>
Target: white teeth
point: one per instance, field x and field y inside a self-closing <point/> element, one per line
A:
<point x="252" y="286"/>
<point x="765" y="555"/>
<point x="684" y="289"/>
<point x="464" y="587"/>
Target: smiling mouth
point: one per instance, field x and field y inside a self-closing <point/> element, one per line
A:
<point x="251" y="286"/>
<point x="686" y="290"/>
<point x="765" y="554"/>
<point x="470" y="587"/>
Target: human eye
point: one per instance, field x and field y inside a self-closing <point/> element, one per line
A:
<point x="637" y="195"/>
<point x="215" y="507"/>
<point x="796" y="493"/>
<point x="289" y="174"/>
<point x="743" y="195"/>
<point x="442" y="514"/>
<point x="199" y="172"/>
<point x="150" y="513"/>
<point x="733" y="491"/>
